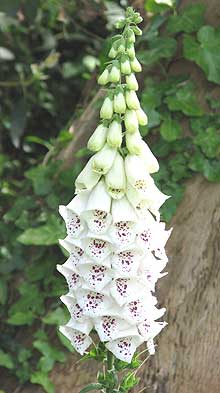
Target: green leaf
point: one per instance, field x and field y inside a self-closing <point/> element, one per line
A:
<point x="209" y="141"/>
<point x="21" y="318"/>
<point x="190" y="19"/>
<point x="205" y="51"/>
<point x="157" y="7"/>
<point x="23" y="203"/>
<point x="211" y="170"/>
<point x="41" y="378"/>
<point x="170" y="129"/>
<point x="3" y="291"/>
<point x="92" y="386"/>
<point x="159" y="48"/>
<point x="6" y="360"/>
<point x="184" y="100"/>
<point x="56" y="317"/>
<point x="50" y="355"/>
<point x="46" y="234"/>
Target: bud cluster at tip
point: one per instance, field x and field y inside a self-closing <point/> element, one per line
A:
<point x="115" y="239"/>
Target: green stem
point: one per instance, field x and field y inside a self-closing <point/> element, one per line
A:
<point x="110" y="366"/>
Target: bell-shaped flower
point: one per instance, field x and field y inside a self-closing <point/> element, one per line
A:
<point x="104" y="77"/>
<point x="125" y="65"/>
<point x="131" y="121"/>
<point x="98" y="249"/>
<point x="114" y="137"/>
<point x="126" y="263"/>
<point x="153" y="199"/>
<point x="130" y="36"/>
<point x="122" y="231"/>
<point x="132" y="100"/>
<point x="139" y="309"/>
<point x="116" y="179"/>
<point x="148" y="158"/>
<point x="96" y="276"/>
<point x="87" y="179"/>
<point x="134" y="143"/>
<point x="119" y="103"/>
<point x="73" y="279"/>
<point x="135" y="65"/>
<point x="124" y="290"/>
<point x="96" y="304"/>
<point x="124" y="348"/>
<point x="115" y="74"/>
<point x="150" y="329"/>
<point x="79" y="340"/>
<point x="73" y="307"/>
<point x="142" y="117"/>
<point x="98" y="138"/>
<point x="112" y="328"/>
<point x="75" y="253"/>
<point x="103" y="160"/>
<point x="136" y="173"/>
<point x="130" y="50"/>
<point x="131" y="82"/>
<point x="97" y="211"/>
<point x="112" y="53"/>
<point x="106" y="111"/>
<point x="71" y="215"/>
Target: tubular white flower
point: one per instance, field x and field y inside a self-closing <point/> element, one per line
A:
<point x="131" y="82"/>
<point x="103" y="160"/>
<point x="136" y="173"/>
<point x="104" y="77"/>
<point x="124" y="348"/>
<point x="87" y="179"/>
<point x="106" y="111"/>
<point x="116" y="179"/>
<point x="148" y="158"/>
<point x="114" y="137"/>
<point x="132" y="99"/>
<point x="142" y="117"/>
<point x="131" y="121"/>
<point x="119" y="103"/>
<point x="134" y="143"/>
<point x="98" y="138"/>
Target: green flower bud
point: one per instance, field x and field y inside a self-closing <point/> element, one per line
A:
<point x="131" y="82"/>
<point x="130" y="50"/>
<point x="125" y="66"/>
<point x="106" y="111"/>
<point x="112" y="53"/>
<point x="138" y="18"/>
<point x="134" y="143"/>
<point x="131" y="36"/>
<point x="132" y="99"/>
<point x="131" y="121"/>
<point x="114" y="138"/>
<point x="104" y="77"/>
<point x="136" y="30"/>
<point x="119" y="103"/>
<point x="98" y="138"/>
<point x="121" y="48"/>
<point x="114" y="75"/>
<point x="142" y="117"/>
<point x="135" y="65"/>
<point x="103" y="160"/>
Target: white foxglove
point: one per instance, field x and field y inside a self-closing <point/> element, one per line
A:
<point x="115" y="240"/>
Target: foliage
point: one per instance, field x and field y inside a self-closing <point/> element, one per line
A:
<point x="48" y="52"/>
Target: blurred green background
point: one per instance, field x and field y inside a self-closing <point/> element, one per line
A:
<point x="51" y="52"/>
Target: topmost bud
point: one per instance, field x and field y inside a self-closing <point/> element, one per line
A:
<point x="130" y="17"/>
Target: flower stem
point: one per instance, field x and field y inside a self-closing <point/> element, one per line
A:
<point x="110" y="366"/>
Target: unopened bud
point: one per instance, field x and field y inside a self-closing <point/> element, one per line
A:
<point x="104" y="77"/>
<point x="134" y="143"/>
<point x="98" y="138"/>
<point x="119" y="103"/>
<point x="136" y="30"/>
<point x="106" y="111"/>
<point x="131" y="36"/>
<point x="114" y="137"/>
<point x="135" y="65"/>
<point x="131" y="121"/>
<point x="116" y="179"/>
<point x="132" y="82"/>
<point x="112" y="53"/>
<point x="142" y="117"/>
<point x="130" y="50"/>
<point x="125" y="66"/>
<point x="114" y="75"/>
<point x="103" y="160"/>
<point x="132" y="99"/>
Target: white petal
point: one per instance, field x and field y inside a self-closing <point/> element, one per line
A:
<point x="95" y="275"/>
<point x="87" y="179"/>
<point x="123" y="233"/>
<point x="116" y="179"/>
<point x="84" y="326"/>
<point x="98" y="249"/>
<point x="133" y="196"/>
<point x="73" y="279"/>
<point x="126" y="263"/>
<point x="138" y="310"/>
<point x="151" y="347"/>
<point x="74" y="308"/>
<point x="112" y="328"/>
<point x="79" y="202"/>
<point x="80" y="341"/>
<point x="153" y="200"/>
<point x="99" y="198"/>
<point x="124" y="348"/>
<point x="98" y="221"/>
<point x="75" y="252"/>
<point x="95" y="304"/>
<point x="103" y="160"/>
<point x="150" y="161"/>
<point x="136" y="173"/>
<point x="74" y="224"/>
<point x="124" y="290"/>
<point x="122" y="210"/>
<point x="150" y="329"/>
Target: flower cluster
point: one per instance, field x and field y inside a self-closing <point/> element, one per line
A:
<point x="114" y="237"/>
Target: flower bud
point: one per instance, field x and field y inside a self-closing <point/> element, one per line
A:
<point x="98" y="138"/>
<point x="114" y="75"/>
<point x="130" y="50"/>
<point x="132" y="100"/>
<point x="142" y="117"/>
<point x="104" y="77"/>
<point x="125" y="66"/>
<point x="132" y="82"/>
<point x="115" y="178"/>
<point x="131" y="121"/>
<point x="112" y="53"/>
<point x="135" y="65"/>
<point x="119" y="103"/>
<point x="131" y="36"/>
<point x="114" y="137"/>
<point x="136" y="30"/>
<point x="134" y="143"/>
<point x="87" y="179"/>
<point x="106" y="111"/>
<point x="121" y="48"/>
<point x="103" y="160"/>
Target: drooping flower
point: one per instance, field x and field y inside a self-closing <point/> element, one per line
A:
<point x="115" y="240"/>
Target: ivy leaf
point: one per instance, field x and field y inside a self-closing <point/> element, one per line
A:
<point x="205" y="51"/>
<point x="50" y="355"/>
<point x="170" y="129"/>
<point x="184" y="100"/>
<point x="45" y="234"/>
<point x="159" y="48"/>
<point x="41" y="378"/>
<point x="92" y="386"/>
<point x="6" y="360"/>
<point x="209" y="141"/>
<point x="189" y="20"/>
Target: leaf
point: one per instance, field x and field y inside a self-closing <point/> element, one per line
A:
<point x="189" y="20"/>
<point x="3" y="291"/>
<point x="209" y="141"/>
<point x="205" y="51"/>
<point x="159" y="48"/>
<point x="170" y="129"/>
<point x="92" y="386"/>
<point x="157" y="6"/>
<point x="6" y="54"/>
<point x="211" y="170"/>
<point x="18" y="121"/>
<point x="45" y="235"/>
<point x="6" y="360"/>
<point x="56" y="317"/>
<point x="23" y="203"/>
<point x="41" y="378"/>
<point x="184" y="100"/>
<point x="21" y="318"/>
<point x="50" y="355"/>
<point x="41" y="179"/>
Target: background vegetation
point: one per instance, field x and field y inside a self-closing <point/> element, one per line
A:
<point x="50" y="54"/>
